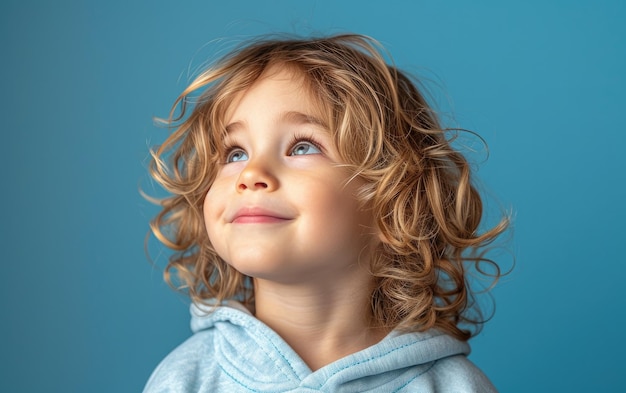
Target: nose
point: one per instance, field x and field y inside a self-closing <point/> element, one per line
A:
<point x="257" y="176"/>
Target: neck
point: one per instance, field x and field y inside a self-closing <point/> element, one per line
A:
<point x="322" y="323"/>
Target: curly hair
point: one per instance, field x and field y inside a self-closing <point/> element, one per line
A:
<point x="419" y="187"/>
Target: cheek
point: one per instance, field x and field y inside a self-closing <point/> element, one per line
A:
<point x="336" y="212"/>
<point x="216" y="196"/>
<point x="348" y="212"/>
<point x="213" y="206"/>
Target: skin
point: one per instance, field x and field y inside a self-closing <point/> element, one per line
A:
<point x="282" y="211"/>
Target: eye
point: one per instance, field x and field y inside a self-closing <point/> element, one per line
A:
<point x="303" y="148"/>
<point x="236" y="155"/>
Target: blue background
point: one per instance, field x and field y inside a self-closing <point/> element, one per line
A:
<point x="542" y="81"/>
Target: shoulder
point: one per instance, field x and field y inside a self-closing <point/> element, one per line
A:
<point x="440" y="364"/>
<point x="458" y="374"/>
<point x="180" y="370"/>
<point x="194" y="366"/>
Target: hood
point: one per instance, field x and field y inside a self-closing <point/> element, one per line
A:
<point x="255" y="356"/>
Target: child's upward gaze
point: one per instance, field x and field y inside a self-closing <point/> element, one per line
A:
<point x="323" y="226"/>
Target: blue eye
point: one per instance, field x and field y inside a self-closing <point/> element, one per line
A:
<point x="303" y="148"/>
<point x="236" y="155"/>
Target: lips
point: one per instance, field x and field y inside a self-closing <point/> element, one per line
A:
<point x="257" y="215"/>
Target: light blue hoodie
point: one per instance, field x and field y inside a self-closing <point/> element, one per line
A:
<point x="232" y="351"/>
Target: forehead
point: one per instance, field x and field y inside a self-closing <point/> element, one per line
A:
<point x="280" y="89"/>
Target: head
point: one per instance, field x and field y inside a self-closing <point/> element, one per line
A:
<point x="397" y="159"/>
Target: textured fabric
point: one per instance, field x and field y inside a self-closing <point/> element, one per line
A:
<point x="231" y="351"/>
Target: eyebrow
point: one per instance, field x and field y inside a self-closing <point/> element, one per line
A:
<point x="292" y="117"/>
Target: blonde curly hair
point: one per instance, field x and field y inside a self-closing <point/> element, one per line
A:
<point x="418" y="186"/>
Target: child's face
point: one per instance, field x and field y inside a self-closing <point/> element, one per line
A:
<point x="280" y="207"/>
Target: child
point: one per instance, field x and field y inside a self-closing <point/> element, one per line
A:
<point x="323" y="227"/>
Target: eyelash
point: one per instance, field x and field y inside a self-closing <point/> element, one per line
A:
<point x="298" y="138"/>
<point x="229" y="146"/>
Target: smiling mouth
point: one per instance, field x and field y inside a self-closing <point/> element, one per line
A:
<point x="258" y="219"/>
<point x="258" y="215"/>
